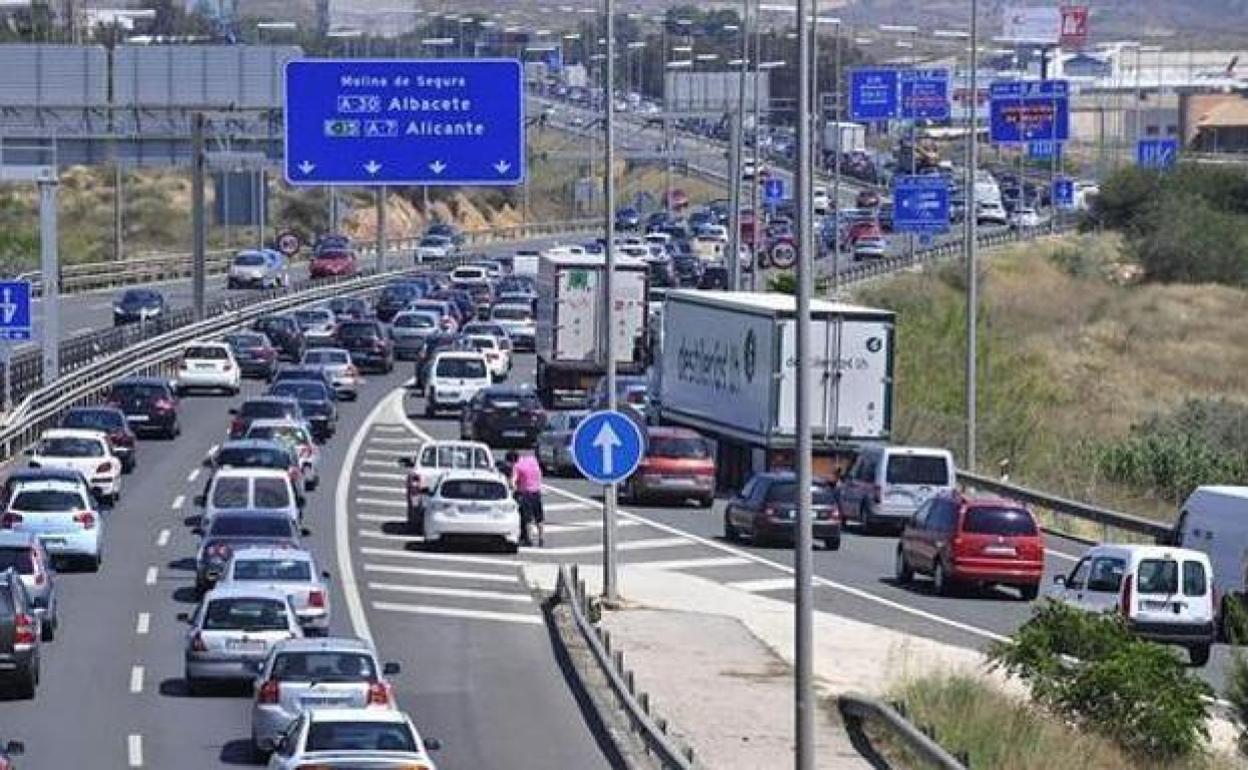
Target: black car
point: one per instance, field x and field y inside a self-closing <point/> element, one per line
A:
<point x="255" y="355"/>
<point x="149" y="404"/>
<point x="627" y="218"/>
<point x="766" y="509"/>
<point x="316" y="401"/>
<point x="435" y="344"/>
<point x="368" y="345"/>
<point x="446" y="231"/>
<point x="503" y="415"/>
<point x="688" y="269"/>
<point x="110" y="421"/>
<point x="232" y="530"/>
<point x="20" y="634"/>
<point x="284" y="332"/>
<point x="304" y="374"/>
<point x="11" y="749"/>
<point x="395" y="298"/>
<point x="138" y="306"/>
<point x="662" y="274"/>
<point x="714" y="277"/>
<point x="657" y="221"/>
<point x="350" y="308"/>
<point x="263" y="408"/>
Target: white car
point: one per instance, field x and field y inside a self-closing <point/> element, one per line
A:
<point x="991" y="213"/>
<point x="298" y="436"/>
<point x="820" y="200"/>
<point x="61" y="514"/>
<point x="454" y="378"/>
<point x="498" y="359"/>
<point x="1024" y="218"/>
<point x="517" y="320"/>
<point x="466" y="275"/>
<point x="249" y="489"/>
<point x="288" y="571"/>
<point x="433" y="247"/>
<point x="209" y="366"/>
<point x="319" y="325"/>
<point x="343" y="375"/>
<point x="85" y="451"/>
<point x="472" y="504"/>
<point x="351" y="738"/>
<point x="434" y="460"/>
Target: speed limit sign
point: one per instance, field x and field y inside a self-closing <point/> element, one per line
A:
<point x="288" y="243"/>
<point x="783" y="255"/>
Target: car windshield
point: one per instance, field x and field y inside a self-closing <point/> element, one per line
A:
<point x="678" y="448"/>
<point x="926" y="470"/>
<point x="511" y="314"/>
<point x="324" y="666"/>
<point x="284" y="570"/>
<point x="268" y="525"/>
<point x="415" y="321"/>
<point x="20" y="559"/>
<point x="231" y="492"/>
<point x="71" y="447"/>
<point x="48" y="501"/>
<point x="360" y="736"/>
<point x="245" y="614"/>
<point x="463" y="368"/>
<point x="984" y="520"/>
<point x="324" y="357"/>
<point x="93" y="418"/>
<point x="473" y="489"/>
<point x="434" y="240"/>
<point x="264" y="409"/>
<point x="303" y="391"/>
<point x="250" y="260"/>
<point x="786" y="492"/>
<point x="207" y="353"/>
<point x="252" y="457"/>
<point x="1158" y="576"/>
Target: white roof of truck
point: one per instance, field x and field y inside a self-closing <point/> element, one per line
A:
<point x="771" y="303"/>
<point x="592" y="260"/>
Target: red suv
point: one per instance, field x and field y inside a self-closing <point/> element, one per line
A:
<point x="332" y="264"/>
<point x="982" y="540"/>
<point x="678" y="465"/>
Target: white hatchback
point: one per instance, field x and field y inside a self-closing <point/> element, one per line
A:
<point x="472" y="504"/>
<point x="454" y="378"/>
<point x="209" y="366"/>
<point x="61" y="514"/>
<point x="85" y="451"/>
<point x="496" y="356"/>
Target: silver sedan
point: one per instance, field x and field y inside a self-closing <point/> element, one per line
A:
<point x="343" y="375"/>
<point x="288" y="572"/>
<point x="231" y="634"/>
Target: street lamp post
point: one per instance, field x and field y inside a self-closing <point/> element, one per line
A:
<point x="734" y="159"/>
<point x="972" y="272"/>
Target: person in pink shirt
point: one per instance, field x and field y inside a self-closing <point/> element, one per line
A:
<point x="526" y="481"/>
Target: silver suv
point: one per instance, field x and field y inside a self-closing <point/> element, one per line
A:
<point x="257" y="269"/>
<point x="24" y="553"/>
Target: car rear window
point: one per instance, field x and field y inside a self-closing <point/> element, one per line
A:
<point x="207" y="353"/>
<point x="359" y="736"/>
<point x="71" y="447"/>
<point x="1158" y="576"/>
<point x="250" y="260"/>
<point x="48" y="501"/>
<point x="303" y="391"/>
<point x="94" y="418"/>
<point x="325" y="666"/>
<point x="1195" y="583"/>
<point x="140" y="391"/>
<point x="926" y="470"/>
<point x="511" y="314"/>
<point x="245" y="614"/>
<point x="462" y="368"/>
<point x="786" y="492"/>
<point x="484" y="343"/>
<point x="358" y="331"/>
<point x="245" y="341"/>
<point x="678" y="448"/>
<point x="984" y="520"/>
<point x="230" y="492"/>
<point x="264" y="409"/>
<point x="287" y="570"/>
<point x="272" y="493"/>
<point x="269" y="525"/>
<point x="415" y="321"/>
<point x="527" y="401"/>
<point x="473" y="489"/>
<point x="252" y="457"/>
<point x="20" y="559"/>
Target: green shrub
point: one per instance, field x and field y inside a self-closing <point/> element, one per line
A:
<point x="1089" y="669"/>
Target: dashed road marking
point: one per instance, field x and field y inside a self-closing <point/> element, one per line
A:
<point x="459" y="558"/>
<point x="190" y="477"/>
<point x="178" y="502"/>
<point x="134" y="750"/>
<point x="395" y="490"/>
<point x="136" y="679"/>
<point x="143" y="624"/>
<point x="695" y="563"/>
<point x="382" y="503"/>
<point x="386" y="452"/>
<point x="151" y="576"/>
<point x="162" y="539"/>
<point x="627" y="545"/>
<point x="765" y="584"/>
<point x="373" y="518"/>
<point x="382" y="476"/>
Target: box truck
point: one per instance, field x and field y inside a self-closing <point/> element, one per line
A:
<point x="853" y="136"/>
<point x="728" y="368"/>
<point x="570" y="324"/>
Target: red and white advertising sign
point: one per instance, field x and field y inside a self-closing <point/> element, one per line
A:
<point x="1074" y="26"/>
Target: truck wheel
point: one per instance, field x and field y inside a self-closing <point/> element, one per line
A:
<point x="1199" y="654"/>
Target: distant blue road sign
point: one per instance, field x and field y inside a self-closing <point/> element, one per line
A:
<point x="607" y="447"/>
<point x="873" y="94"/>
<point x="404" y="122"/>
<point x="773" y="189"/>
<point x="925" y="94"/>
<point x="1044" y="149"/>
<point x="15" y="311"/>
<point x="921" y="204"/>
<point x="1158" y="154"/>
<point x="1064" y="193"/>
<point x="1027" y="110"/>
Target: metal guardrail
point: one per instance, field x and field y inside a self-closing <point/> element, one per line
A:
<point x="856" y="709"/>
<point x="651" y="728"/>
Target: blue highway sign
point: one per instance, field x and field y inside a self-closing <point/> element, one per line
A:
<point x="925" y="94"/>
<point x="404" y="122"/>
<point x="1044" y="149"/>
<point x="921" y="204"/>
<point x="607" y="447"/>
<point x="1027" y="110"/>
<point x="15" y="311"/>
<point x="773" y="189"/>
<point x="873" y="94"/>
<point x="1064" y="193"/>
<point x="1158" y="154"/>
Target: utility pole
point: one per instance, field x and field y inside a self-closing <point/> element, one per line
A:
<point x="50" y="276"/>
<point x="734" y="162"/>
<point x="803" y="558"/>
<point x="198" y="266"/>
<point x="756" y="216"/>
<point x="262" y="186"/>
<point x="381" y="229"/>
<point x="118" y="210"/>
<point x="836" y="169"/>
<point x="972" y="272"/>
<point x="610" y="588"/>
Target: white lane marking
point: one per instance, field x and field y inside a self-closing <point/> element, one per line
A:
<point x="395" y="490"/>
<point x="162" y="539"/>
<point x="404" y="441"/>
<point x="136" y="679"/>
<point x="342" y="523"/>
<point x="377" y="464"/>
<point x="461" y="593"/>
<point x="134" y="750"/>
<point x="382" y="476"/>
<point x="143" y="624"/>
<point x="459" y="558"/>
<point x="150" y="579"/>
<point x="376" y="519"/>
<point x="487" y="577"/>
<point x="376" y="535"/>
<point x="765" y="584"/>
<point x="389" y="428"/>
<point x="628" y="545"/>
<point x="1061" y="555"/>
<point x="564" y="507"/>
<point x="177" y="502"/>
<point x="581" y="526"/>
<point x="452" y="612"/>
<point x="386" y="452"/>
<point x="190" y="477"/>
<point x="215" y="448"/>
<point x="380" y="502"/>
<point x="697" y="562"/>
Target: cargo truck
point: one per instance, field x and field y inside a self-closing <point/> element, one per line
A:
<point x="570" y="343"/>
<point x="728" y="368"/>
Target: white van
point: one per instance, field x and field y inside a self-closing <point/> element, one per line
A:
<point x="1214" y="521"/>
<point x="887" y="484"/>
<point x="249" y="489"/>
<point x="1164" y="592"/>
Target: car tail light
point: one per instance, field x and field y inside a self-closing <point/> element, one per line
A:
<point x="24" y="630"/>
<point x="269" y="693"/>
<point x="1125" y="605"/>
<point x="352" y="371"/>
<point x="218" y="551"/>
<point x="295" y="474"/>
<point x="305" y="451"/>
<point x="267" y="354"/>
<point x="770" y="511"/>
<point x="378" y="694"/>
<point x="316" y="599"/>
<point x="704" y="470"/>
<point x="40" y="576"/>
<point x="197" y="643"/>
<point x="85" y="518"/>
<point x="163" y="405"/>
<point x="118" y="437"/>
<point x="237" y="426"/>
<point x="9" y="520"/>
<point x="103" y="468"/>
<point x="227" y="367"/>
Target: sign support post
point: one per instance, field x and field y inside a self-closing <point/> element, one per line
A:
<point x="610" y="589"/>
<point x="50" y="277"/>
<point x="199" y="271"/>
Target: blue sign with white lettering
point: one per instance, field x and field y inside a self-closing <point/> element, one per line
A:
<point x="1027" y="110"/>
<point x="1044" y="149"/>
<point x="925" y="94"/>
<point x="1064" y="193"/>
<point x="873" y="94"/>
<point x="921" y="204"/>
<point x="773" y="189"/>
<point x="404" y="122"/>
<point x="1157" y="154"/>
<point x="15" y="311"/>
<point x="607" y="447"/>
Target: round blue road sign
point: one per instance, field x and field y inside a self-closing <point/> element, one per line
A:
<point x="607" y="447"/>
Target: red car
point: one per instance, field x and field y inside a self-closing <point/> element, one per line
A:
<point x="961" y="540"/>
<point x="333" y="264"/>
<point x="678" y="465"/>
<point x="863" y="228"/>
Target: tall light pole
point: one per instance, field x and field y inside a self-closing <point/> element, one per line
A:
<point x="972" y="270"/>
<point x="734" y="157"/>
<point x="609" y="585"/>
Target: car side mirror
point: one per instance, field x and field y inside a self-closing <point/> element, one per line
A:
<point x="432" y="744"/>
<point x="234" y="412"/>
<point x="201" y="501"/>
<point x="197" y="530"/>
<point x="304" y="532"/>
<point x="407" y="462"/>
<point x="14" y="748"/>
<point x="390" y="668"/>
<point x="1059" y="580"/>
<point x="184" y="617"/>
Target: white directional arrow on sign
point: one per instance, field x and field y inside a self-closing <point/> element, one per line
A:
<point x="607" y="441"/>
<point x="437" y="167"/>
<point x="372" y="167"/>
<point x="502" y="166"/>
<point x="307" y="167"/>
<point x="8" y="308"/>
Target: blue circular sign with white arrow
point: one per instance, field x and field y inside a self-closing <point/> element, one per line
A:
<point x="607" y="447"/>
